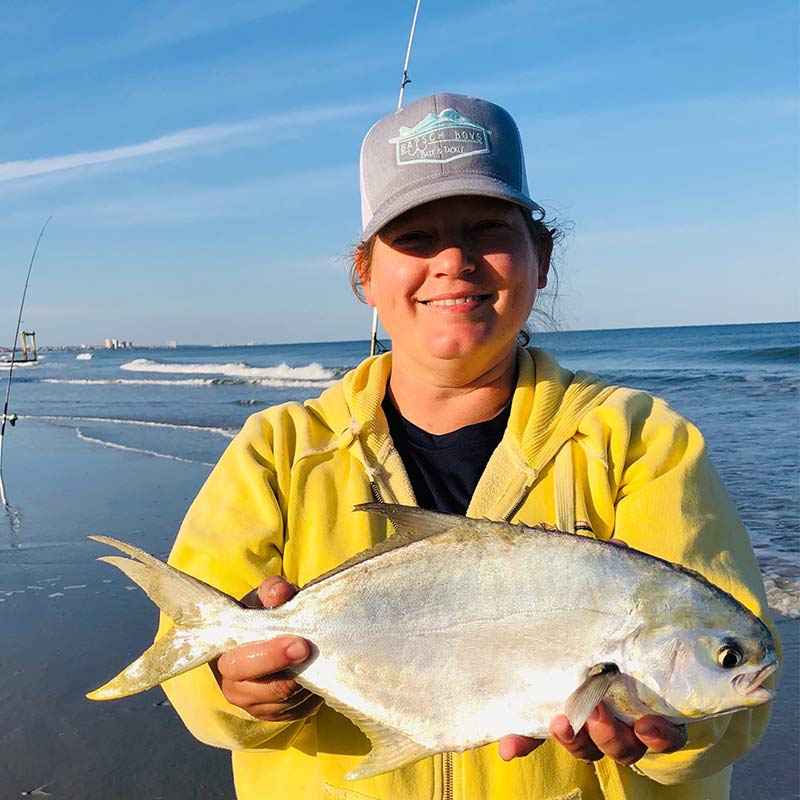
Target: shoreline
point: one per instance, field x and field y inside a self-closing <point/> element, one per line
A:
<point x="68" y="624"/>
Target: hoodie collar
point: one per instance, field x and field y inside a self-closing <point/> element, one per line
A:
<point x="547" y="406"/>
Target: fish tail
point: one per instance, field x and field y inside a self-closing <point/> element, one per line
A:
<point x="190" y="604"/>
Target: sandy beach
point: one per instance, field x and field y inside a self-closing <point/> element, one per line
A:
<point x="67" y="624"/>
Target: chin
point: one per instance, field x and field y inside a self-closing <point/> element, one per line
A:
<point x="451" y="347"/>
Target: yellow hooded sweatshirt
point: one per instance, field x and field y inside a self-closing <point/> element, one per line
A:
<point x="576" y="453"/>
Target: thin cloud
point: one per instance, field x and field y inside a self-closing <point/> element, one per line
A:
<point x="178" y="141"/>
<point x="191" y="137"/>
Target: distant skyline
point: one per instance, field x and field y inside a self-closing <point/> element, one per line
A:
<point x="200" y="160"/>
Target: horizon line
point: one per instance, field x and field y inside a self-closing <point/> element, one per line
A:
<point x="153" y="346"/>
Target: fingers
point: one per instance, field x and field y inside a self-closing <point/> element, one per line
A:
<point x="252" y="661"/>
<point x="514" y="746"/>
<point x="660" y="735"/>
<point x="257" y="678"/>
<point x="272" y="592"/>
<point x="603" y="734"/>
<point x="613" y="737"/>
<point x="576" y="744"/>
<point x="275" y="591"/>
<point x="276" y="697"/>
<point x="284" y="712"/>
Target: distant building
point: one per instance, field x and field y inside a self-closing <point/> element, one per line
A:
<point x="172" y="344"/>
<point x="118" y="344"/>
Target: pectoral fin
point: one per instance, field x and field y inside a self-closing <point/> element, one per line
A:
<point x="585" y="698"/>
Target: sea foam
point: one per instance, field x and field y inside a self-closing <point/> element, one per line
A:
<point x="131" y="381"/>
<point x="314" y="371"/>
<point x="116" y="446"/>
<point x="227" y="433"/>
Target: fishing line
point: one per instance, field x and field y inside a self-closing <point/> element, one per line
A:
<point x="374" y="345"/>
<point x="5" y="417"/>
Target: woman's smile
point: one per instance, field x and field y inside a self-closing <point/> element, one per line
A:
<point x="456" y="303"/>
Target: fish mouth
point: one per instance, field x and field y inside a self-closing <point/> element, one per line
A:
<point x="750" y="686"/>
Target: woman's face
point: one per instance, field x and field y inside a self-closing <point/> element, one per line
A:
<point x="455" y="279"/>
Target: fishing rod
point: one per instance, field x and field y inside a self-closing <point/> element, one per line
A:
<point x="6" y="418"/>
<point x="373" y="344"/>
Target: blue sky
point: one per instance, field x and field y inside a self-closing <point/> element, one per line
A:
<point x="200" y="158"/>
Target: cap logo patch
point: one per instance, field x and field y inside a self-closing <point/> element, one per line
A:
<point x="440" y="137"/>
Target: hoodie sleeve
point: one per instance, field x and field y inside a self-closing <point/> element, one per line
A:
<point x="668" y="500"/>
<point x="233" y="538"/>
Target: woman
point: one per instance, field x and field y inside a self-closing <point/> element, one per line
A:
<point x="457" y="418"/>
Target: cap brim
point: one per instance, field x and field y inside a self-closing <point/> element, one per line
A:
<point x="446" y="186"/>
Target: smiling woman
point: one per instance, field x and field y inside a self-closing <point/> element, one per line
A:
<point x="460" y="418"/>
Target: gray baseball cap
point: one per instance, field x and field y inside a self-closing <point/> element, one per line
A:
<point x="440" y="146"/>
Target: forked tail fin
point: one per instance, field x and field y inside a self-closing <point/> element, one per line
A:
<point x="192" y="605"/>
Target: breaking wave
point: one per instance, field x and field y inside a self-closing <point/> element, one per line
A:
<point x="313" y="373"/>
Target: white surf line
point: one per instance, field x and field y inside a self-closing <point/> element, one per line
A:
<point x="227" y="433"/>
<point x="193" y="382"/>
<point x="115" y="446"/>
<point x="309" y="375"/>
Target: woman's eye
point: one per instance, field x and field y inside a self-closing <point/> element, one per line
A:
<point x="491" y="225"/>
<point x="410" y="239"/>
<point x="729" y="656"/>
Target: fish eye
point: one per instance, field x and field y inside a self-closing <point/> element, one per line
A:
<point x="730" y="655"/>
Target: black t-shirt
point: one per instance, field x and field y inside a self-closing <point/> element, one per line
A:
<point x="445" y="469"/>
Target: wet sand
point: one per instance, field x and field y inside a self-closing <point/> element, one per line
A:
<point x="82" y="625"/>
<point x="67" y="624"/>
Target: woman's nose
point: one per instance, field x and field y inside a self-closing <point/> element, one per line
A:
<point x="453" y="259"/>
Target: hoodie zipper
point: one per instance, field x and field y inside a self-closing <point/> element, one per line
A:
<point x="516" y="507"/>
<point x="447" y="776"/>
<point x="376" y="492"/>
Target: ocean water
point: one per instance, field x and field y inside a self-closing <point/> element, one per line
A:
<point x="739" y="383"/>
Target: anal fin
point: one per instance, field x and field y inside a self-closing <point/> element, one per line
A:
<point x="585" y="698"/>
<point x="391" y="748"/>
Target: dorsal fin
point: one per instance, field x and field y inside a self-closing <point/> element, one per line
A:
<point x="411" y="525"/>
<point x="413" y="522"/>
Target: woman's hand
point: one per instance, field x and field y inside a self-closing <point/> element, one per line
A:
<point x="604" y="735"/>
<point x="514" y="746"/>
<point x="255" y="677"/>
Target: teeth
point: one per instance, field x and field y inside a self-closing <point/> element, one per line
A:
<point x="452" y="301"/>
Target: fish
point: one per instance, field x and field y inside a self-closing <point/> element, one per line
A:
<point x="454" y="632"/>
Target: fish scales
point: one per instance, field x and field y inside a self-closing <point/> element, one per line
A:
<point x="456" y="632"/>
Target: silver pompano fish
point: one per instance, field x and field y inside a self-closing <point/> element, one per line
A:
<point x="455" y="632"/>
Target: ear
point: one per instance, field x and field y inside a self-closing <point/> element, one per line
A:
<point x="362" y="271"/>
<point x="366" y="288"/>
